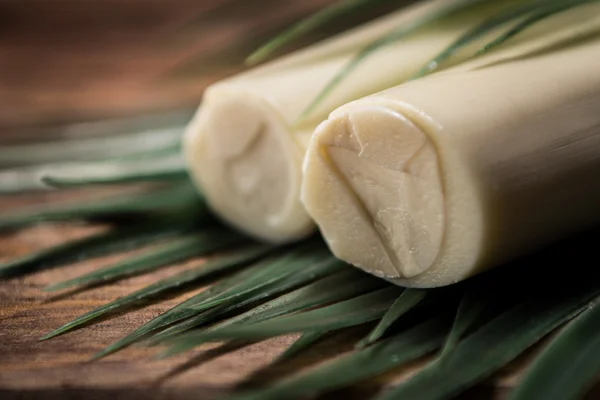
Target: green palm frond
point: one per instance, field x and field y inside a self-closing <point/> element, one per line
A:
<point x="529" y="13"/>
<point x="243" y="298"/>
<point x="118" y="139"/>
<point x="336" y="287"/>
<point x="113" y="172"/>
<point x="178" y="313"/>
<point x="407" y="301"/>
<point x="471" y="306"/>
<point x="347" y="283"/>
<point x="158" y="167"/>
<point x="569" y="365"/>
<point x="497" y="343"/>
<point x="25" y="166"/>
<point x="356" y="311"/>
<point x="537" y="15"/>
<point x="158" y="201"/>
<point x="125" y="238"/>
<point x="533" y="12"/>
<point x="306" y="340"/>
<point x="235" y="292"/>
<point x="178" y="249"/>
<point x="305" y="261"/>
<point x="259" y="291"/>
<point x="235" y="259"/>
<point x="360" y="366"/>
<point x="391" y="37"/>
<point x="308" y="25"/>
<point x="475" y="34"/>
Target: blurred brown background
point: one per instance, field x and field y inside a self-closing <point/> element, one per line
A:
<point x="63" y="60"/>
<point x="73" y="60"/>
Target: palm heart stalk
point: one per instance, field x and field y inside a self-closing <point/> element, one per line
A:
<point x="469" y="330"/>
<point x="246" y="144"/>
<point x="435" y="180"/>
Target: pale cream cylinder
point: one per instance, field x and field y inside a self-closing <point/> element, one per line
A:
<point x="436" y="180"/>
<point x="243" y="148"/>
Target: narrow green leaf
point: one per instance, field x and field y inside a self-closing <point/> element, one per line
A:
<point x="179" y="249"/>
<point x="475" y="34"/>
<point x="335" y="287"/>
<point x="160" y="152"/>
<point x="538" y="16"/>
<point x="347" y="283"/>
<point x="31" y="178"/>
<point x="183" y="310"/>
<point x="407" y="301"/>
<point x="308" y="25"/>
<point x="308" y="266"/>
<point x="356" y="311"/>
<point x="93" y="246"/>
<point x="156" y="201"/>
<point x="212" y="267"/>
<point x="242" y="296"/>
<point x="19" y="180"/>
<point x="569" y="365"/>
<point x="499" y="341"/>
<point x="393" y="36"/>
<point x="226" y="295"/>
<point x="306" y="340"/>
<point x="470" y="308"/>
<point x="251" y="281"/>
<point x="359" y="366"/>
<point x="94" y="141"/>
<point x="164" y="168"/>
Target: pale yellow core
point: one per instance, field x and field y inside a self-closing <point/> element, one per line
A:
<point x="390" y="170"/>
<point x="248" y="165"/>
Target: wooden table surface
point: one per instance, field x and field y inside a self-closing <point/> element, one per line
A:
<point x="71" y="60"/>
<point x="59" y="368"/>
<point x="63" y="61"/>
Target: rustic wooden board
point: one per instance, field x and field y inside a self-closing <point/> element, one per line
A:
<point x="59" y="368"/>
<point x="26" y="313"/>
<point x="67" y="60"/>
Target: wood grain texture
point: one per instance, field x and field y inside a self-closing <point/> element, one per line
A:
<point x="59" y="368"/>
<point x="72" y="60"/>
<point x="26" y="313"/>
